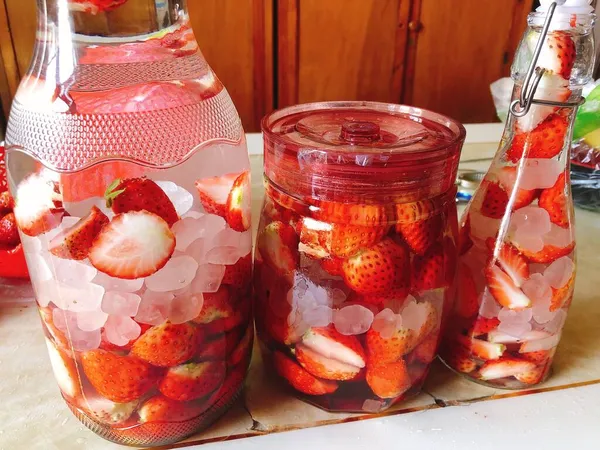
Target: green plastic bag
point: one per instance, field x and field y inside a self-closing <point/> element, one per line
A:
<point x="587" y="122"/>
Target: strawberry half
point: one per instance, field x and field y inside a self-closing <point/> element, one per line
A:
<point x="192" y="380"/>
<point x="239" y="275"/>
<point x="278" y="246"/>
<point x="140" y="194"/>
<point x="322" y="367"/>
<point x="495" y="201"/>
<point x="554" y="200"/>
<point x="545" y="141"/>
<point x="549" y="253"/>
<point x="38" y="206"/>
<point x="504" y="290"/>
<point x="300" y="379"/>
<point x="134" y="245"/>
<point x="388" y="380"/>
<point x="214" y="193"/>
<point x="163" y="409"/>
<point x="9" y="233"/>
<point x="76" y="242"/>
<point x="561" y="296"/>
<point x="483" y="326"/>
<point x="239" y="203"/>
<point x="511" y="262"/>
<point x="482" y="349"/>
<point x="428" y="271"/>
<point x="372" y="270"/>
<point x="119" y="378"/>
<point x="505" y="367"/>
<point x="558" y="54"/>
<point x="166" y="345"/>
<point x="65" y="371"/>
<point x="467" y="303"/>
<point x="333" y="345"/>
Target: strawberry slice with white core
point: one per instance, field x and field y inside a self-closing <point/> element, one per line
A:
<point x="513" y="264"/>
<point x="38" y="207"/>
<point x="504" y="290"/>
<point x="558" y="54"/>
<point x="333" y="345"/>
<point x="552" y="88"/>
<point x="546" y="343"/>
<point x="322" y="367"/>
<point x="107" y="411"/>
<point x="482" y="349"/>
<point x="75" y="242"/>
<point x="134" y="245"/>
<point x="239" y="203"/>
<point x="503" y="338"/>
<point x="64" y="370"/>
<point x="278" y="246"/>
<point x="506" y="367"/>
<point x="214" y="192"/>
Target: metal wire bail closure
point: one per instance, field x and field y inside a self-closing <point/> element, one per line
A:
<point x="521" y="106"/>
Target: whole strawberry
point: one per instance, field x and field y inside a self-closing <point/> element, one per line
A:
<point x="428" y="271"/>
<point x="137" y="194"/>
<point x="121" y="379"/>
<point x="192" y="380"/>
<point x="166" y="345"/>
<point x="373" y="270"/>
<point x="9" y="234"/>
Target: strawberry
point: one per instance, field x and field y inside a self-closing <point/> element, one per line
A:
<point x="505" y="367"/>
<point x="133" y="245"/>
<point x="426" y="351"/>
<point x="278" y="246"/>
<point x="65" y="370"/>
<point x="464" y="237"/>
<point x="300" y="379"/>
<point x="504" y="290"/>
<point x="239" y="203"/>
<point x="75" y="242"/>
<point x="388" y="380"/>
<point x="214" y="193"/>
<point x="38" y="207"/>
<point x="372" y="270"/>
<point x="139" y="194"/>
<point x="554" y="200"/>
<point x="94" y="6"/>
<point x="163" y="409"/>
<point x="166" y="345"/>
<point x="243" y="350"/>
<point x="508" y="178"/>
<point x="9" y="234"/>
<point x="239" y="275"/>
<point x="423" y="318"/>
<point x="495" y="201"/>
<point x="428" y="271"/>
<point x="12" y="263"/>
<point x="216" y="347"/>
<point x="558" y="54"/>
<point x="331" y="344"/>
<point x="467" y="303"/>
<point x="351" y="214"/>
<point x="459" y="358"/>
<point x="382" y="350"/>
<point x="561" y="296"/>
<point x="533" y="376"/>
<point x="7" y="203"/>
<point x="549" y="253"/>
<point x="217" y="313"/>
<point x="482" y="349"/>
<point x="323" y="367"/>
<point x="395" y="294"/>
<point x="483" y="326"/>
<point x="420" y="235"/>
<point x="332" y="266"/>
<point x="121" y="379"/>
<point x="105" y="410"/>
<point x="538" y="357"/>
<point x="545" y="141"/>
<point x="192" y="380"/>
<point x="511" y="261"/>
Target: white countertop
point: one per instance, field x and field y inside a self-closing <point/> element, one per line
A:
<point x="555" y="418"/>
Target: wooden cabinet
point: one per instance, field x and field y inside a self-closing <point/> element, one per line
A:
<point x="437" y="54"/>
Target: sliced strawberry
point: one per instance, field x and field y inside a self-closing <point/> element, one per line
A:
<point x="459" y="358"/>
<point x="163" y="409"/>
<point x="388" y="380"/>
<point x="278" y="246"/>
<point x="239" y="203"/>
<point x="504" y="290"/>
<point x="192" y="380"/>
<point x="133" y="245"/>
<point x="323" y="367"/>
<point x="505" y="367"/>
<point x="533" y="376"/>
<point x="332" y="344"/>
<point x="218" y="314"/>
<point x="351" y="214"/>
<point x="121" y="379"/>
<point x="214" y="193"/>
<point x="76" y="242"/>
<point x="300" y="379"/>
<point x="548" y="254"/>
<point x="495" y="201"/>
<point x="65" y="370"/>
<point x="511" y="261"/>
<point x="484" y="326"/>
<point x="558" y="54"/>
<point x="419" y="234"/>
<point x="140" y="194"/>
<point x="554" y="200"/>
<point x="239" y="275"/>
<point x="482" y="349"/>
<point x="467" y="303"/>
<point x="508" y="180"/>
<point x="372" y="270"/>
<point x="9" y="233"/>
<point x="538" y="357"/>
<point x="166" y="345"/>
<point x="382" y="350"/>
<point x="7" y="203"/>
<point x="545" y="141"/>
<point x="561" y="296"/>
<point x="426" y="351"/>
<point x="38" y="207"/>
<point x="428" y="271"/>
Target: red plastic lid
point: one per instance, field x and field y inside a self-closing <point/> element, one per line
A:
<point x="361" y="150"/>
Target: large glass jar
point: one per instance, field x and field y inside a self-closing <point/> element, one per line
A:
<point x="129" y="168"/>
<point x="356" y="249"/>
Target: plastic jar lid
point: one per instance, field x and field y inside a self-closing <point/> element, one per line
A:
<point x="361" y="151"/>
